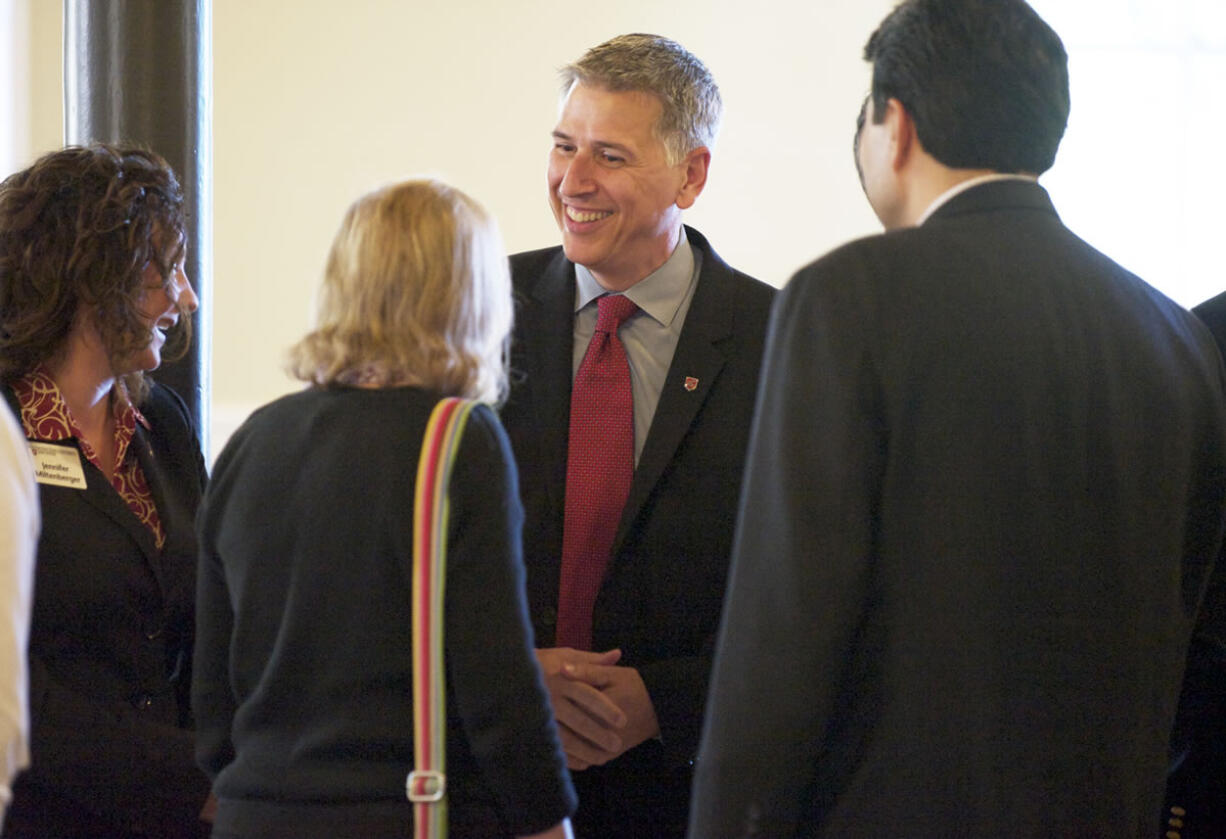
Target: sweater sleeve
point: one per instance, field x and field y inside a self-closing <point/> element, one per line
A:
<point x="212" y="698"/>
<point x="499" y="693"/>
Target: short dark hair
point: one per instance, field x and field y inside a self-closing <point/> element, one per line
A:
<point x="77" y="228"/>
<point x="985" y="81"/>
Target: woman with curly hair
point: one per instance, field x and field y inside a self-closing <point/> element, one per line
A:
<point x="91" y="285"/>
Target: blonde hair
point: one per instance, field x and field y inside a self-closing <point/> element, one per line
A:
<point x="417" y="291"/>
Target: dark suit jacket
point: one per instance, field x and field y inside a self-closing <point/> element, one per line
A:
<point x="110" y="649"/>
<point x="660" y="601"/>
<point x="983" y="495"/>
<point x="1196" y="790"/>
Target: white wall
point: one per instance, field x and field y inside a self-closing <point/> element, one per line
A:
<point x="316" y="101"/>
<point x="1138" y="174"/>
<point x="31" y="81"/>
<point x="14" y="98"/>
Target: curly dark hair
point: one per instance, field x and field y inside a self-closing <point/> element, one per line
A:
<point x="77" y="228"/>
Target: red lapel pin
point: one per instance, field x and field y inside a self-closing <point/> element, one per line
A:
<point x="691" y="383"/>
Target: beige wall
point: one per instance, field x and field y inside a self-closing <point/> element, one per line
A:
<point x="316" y="101"/>
<point x="31" y="80"/>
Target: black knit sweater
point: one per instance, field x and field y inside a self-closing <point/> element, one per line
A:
<point x="303" y="675"/>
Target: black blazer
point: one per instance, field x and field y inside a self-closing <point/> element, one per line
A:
<point x="660" y="601"/>
<point x="982" y="498"/>
<point x="110" y="648"/>
<point x="1196" y="789"/>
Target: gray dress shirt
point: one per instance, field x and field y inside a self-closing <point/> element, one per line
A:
<point x="650" y="335"/>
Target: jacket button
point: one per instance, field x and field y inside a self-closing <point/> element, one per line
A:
<point x="549" y="616"/>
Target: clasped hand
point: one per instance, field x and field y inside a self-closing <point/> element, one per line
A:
<point x="602" y="710"/>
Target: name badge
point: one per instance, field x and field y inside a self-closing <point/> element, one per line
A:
<point x="58" y="466"/>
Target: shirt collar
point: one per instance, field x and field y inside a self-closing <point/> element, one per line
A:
<point x="659" y="294"/>
<point x="45" y="415"/>
<point x="963" y="186"/>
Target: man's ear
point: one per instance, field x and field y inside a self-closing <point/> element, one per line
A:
<point x="903" y="140"/>
<point x="695" y="166"/>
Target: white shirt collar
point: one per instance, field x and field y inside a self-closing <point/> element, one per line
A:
<point x="963" y="186"/>
<point x="659" y="294"/>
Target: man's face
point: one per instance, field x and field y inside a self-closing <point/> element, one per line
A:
<point x="855" y="146"/>
<point x="873" y="151"/>
<point x="613" y="193"/>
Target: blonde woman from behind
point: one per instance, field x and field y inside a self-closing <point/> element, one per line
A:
<point x="303" y="689"/>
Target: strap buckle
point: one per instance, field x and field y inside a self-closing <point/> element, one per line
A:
<point x="425" y="786"/>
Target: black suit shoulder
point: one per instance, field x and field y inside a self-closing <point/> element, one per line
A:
<point x="752" y="298"/>
<point x="164" y="402"/>
<point x="1196" y="788"/>
<point x="1212" y="313"/>
<point x="527" y="267"/>
<point x="173" y="431"/>
<point x="523" y="262"/>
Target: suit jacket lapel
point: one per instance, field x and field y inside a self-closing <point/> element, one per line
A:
<point x="698" y="357"/>
<point x="100" y="495"/>
<point x="156" y="479"/>
<point x="547" y="331"/>
<point x="98" y="492"/>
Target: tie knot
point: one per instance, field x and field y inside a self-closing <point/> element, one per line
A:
<point x="612" y="311"/>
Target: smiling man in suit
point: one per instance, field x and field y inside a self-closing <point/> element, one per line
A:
<point x="635" y="361"/>
<point x="984" y="488"/>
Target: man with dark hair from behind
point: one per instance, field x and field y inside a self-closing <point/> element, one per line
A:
<point x="983" y="493"/>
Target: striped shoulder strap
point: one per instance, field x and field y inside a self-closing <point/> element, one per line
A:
<point x="426" y="785"/>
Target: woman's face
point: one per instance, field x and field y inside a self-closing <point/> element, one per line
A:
<point x="160" y="305"/>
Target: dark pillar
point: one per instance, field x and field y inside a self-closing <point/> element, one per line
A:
<point x="140" y="71"/>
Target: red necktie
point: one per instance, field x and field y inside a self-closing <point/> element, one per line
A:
<point x="599" y="466"/>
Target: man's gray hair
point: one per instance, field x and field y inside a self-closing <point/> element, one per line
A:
<point x="692" y="106"/>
